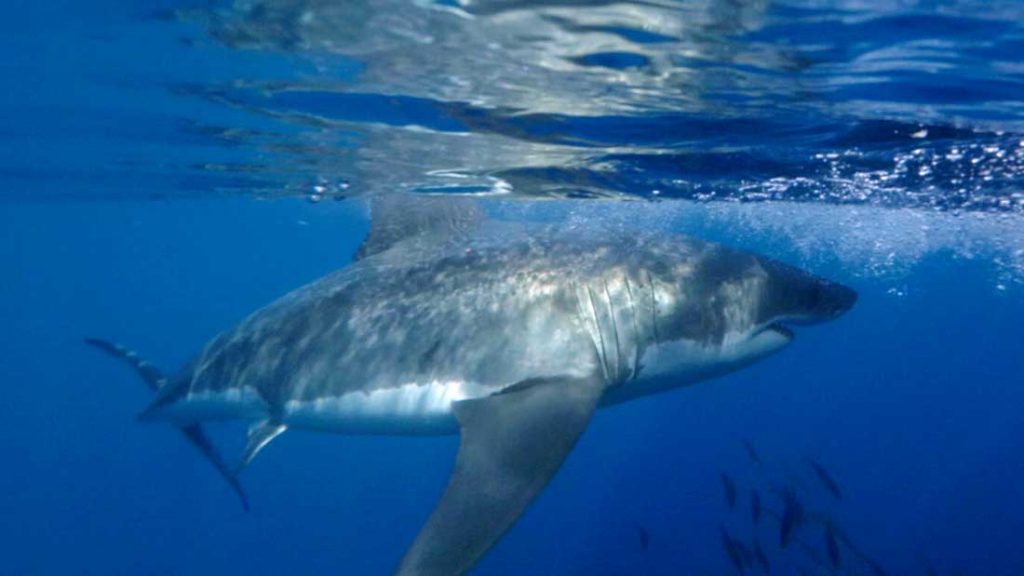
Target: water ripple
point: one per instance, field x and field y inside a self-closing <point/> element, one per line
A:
<point x="836" y="102"/>
<point x="909" y="104"/>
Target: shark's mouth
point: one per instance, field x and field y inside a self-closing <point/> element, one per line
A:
<point x="779" y="329"/>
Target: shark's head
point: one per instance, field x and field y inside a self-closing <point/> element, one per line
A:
<point x="718" y="309"/>
<point x="792" y="296"/>
<point x="720" y="295"/>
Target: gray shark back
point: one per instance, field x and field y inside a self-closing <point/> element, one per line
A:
<point x="472" y="321"/>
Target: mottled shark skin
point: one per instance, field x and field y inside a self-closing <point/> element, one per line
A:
<point x="447" y="324"/>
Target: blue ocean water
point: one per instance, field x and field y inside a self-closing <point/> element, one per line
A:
<point x="169" y="167"/>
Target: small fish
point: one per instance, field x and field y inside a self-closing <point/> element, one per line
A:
<point x="730" y="490"/>
<point x="751" y="452"/>
<point x="876" y="569"/>
<point x="761" y="558"/>
<point x="645" y="538"/>
<point x="826" y="479"/>
<point x="745" y="553"/>
<point x="831" y="545"/>
<point x="731" y="550"/>
<point x="755" y="507"/>
<point x="792" y="517"/>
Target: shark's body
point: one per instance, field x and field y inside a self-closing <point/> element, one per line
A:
<point x="511" y="342"/>
<point x="381" y="348"/>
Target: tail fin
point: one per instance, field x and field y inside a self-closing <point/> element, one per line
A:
<point x="149" y="373"/>
<point x="193" y="432"/>
<point x="195" y="435"/>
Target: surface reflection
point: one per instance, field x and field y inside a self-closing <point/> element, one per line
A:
<point x="732" y="100"/>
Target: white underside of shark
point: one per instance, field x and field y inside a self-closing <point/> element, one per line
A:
<point x="425" y="407"/>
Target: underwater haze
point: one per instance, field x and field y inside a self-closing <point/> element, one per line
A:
<point x="169" y="167"/>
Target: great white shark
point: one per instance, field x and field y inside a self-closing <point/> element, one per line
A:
<point x="443" y="324"/>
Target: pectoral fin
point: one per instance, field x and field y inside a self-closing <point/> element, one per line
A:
<point x="512" y="443"/>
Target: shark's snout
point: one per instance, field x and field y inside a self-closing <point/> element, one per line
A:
<point x="793" y="296"/>
<point x="835" y="299"/>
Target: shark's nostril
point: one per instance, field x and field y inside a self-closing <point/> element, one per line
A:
<point x="843" y="299"/>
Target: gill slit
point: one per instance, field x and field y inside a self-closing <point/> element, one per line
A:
<point x="596" y="328"/>
<point x="615" y="331"/>
<point x="654" y="312"/>
<point x="636" y="332"/>
<point x="600" y="334"/>
<point x="584" y="315"/>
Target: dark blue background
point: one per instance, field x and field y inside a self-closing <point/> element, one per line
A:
<point x="912" y="402"/>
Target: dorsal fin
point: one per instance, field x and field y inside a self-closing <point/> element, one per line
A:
<point x="418" y="220"/>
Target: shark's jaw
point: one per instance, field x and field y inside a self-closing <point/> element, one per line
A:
<point x="679" y="363"/>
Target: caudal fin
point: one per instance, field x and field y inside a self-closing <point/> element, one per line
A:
<point x="195" y="435"/>
<point x="193" y="432"/>
<point x="149" y="373"/>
